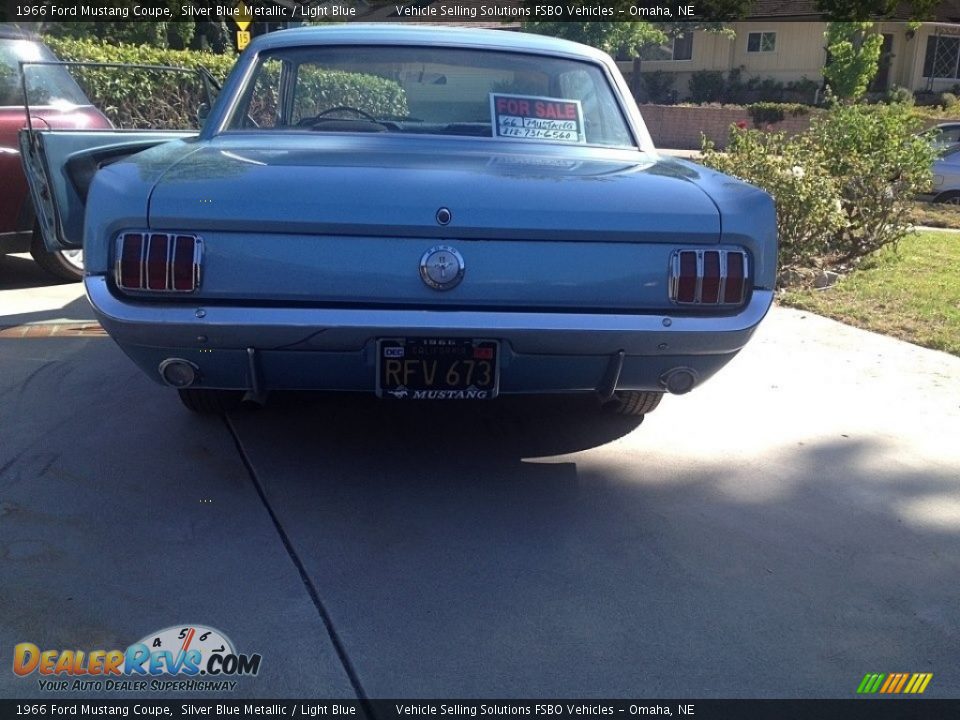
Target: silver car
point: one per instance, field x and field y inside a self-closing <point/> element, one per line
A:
<point x="946" y="176"/>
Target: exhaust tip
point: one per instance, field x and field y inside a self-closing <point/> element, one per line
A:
<point x="179" y="373"/>
<point x="679" y="381"/>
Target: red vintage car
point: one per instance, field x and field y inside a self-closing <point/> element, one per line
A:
<point x="63" y="105"/>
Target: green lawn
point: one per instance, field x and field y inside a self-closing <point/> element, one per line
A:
<point x="911" y="292"/>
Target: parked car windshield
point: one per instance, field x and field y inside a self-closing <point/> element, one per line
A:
<point x="47" y="85"/>
<point x="440" y="91"/>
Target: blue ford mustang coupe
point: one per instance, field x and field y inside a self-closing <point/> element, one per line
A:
<point x="420" y="213"/>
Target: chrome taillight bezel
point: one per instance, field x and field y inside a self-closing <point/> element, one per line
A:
<point x="193" y="261"/>
<point x="723" y="256"/>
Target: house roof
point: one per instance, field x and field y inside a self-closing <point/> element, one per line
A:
<point x="945" y="11"/>
<point x="784" y="9"/>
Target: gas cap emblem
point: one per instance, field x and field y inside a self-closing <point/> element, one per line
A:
<point x="441" y="267"/>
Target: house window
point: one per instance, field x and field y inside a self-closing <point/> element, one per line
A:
<point x="942" y="58"/>
<point x="683" y="46"/>
<point x="678" y="48"/>
<point x="761" y="42"/>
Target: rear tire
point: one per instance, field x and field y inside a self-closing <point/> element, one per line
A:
<point x="210" y="402"/>
<point x="634" y="402"/>
<point x="950" y="198"/>
<point x="57" y="263"/>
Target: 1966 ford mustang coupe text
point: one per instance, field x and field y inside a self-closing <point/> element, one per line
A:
<point x="422" y="213"/>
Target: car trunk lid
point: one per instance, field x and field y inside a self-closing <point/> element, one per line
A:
<point x="354" y="186"/>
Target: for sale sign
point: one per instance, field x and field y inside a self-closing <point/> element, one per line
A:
<point x="527" y="117"/>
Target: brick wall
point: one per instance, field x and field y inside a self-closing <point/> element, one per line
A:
<point x="679" y="127"/>
<point x="676" y="126"/>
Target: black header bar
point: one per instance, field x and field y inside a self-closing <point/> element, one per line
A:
<point x="553" y="709"/>
<point x="490" y="12"/>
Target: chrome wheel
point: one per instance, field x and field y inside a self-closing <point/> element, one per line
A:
<point x="73" y="258"/>
<point x="64" y="264"/>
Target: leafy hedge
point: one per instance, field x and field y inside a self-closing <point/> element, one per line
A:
<point x="319" y="90"/>
<point x="135" y="98"/>
<point x="842" y="188"/>
<point x="768" y="113"/>
<point x="142" y="98"/>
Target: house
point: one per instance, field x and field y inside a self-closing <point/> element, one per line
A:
<point x="784" y="41"/>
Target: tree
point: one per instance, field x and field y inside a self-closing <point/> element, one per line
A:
<point x="180" y="33"/>
<point x="617" y="38"/>
<point x="854" y="58"/>
<point x="626" y="37"/>
<point x="862" y="10"/>
<point x="159" y="34"/>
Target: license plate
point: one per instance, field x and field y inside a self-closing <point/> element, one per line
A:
<point x="437" y="369"/>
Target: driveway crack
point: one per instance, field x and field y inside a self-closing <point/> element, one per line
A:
<point x="304" y="576"/>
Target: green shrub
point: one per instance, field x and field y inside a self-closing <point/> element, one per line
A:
<point x="803" y="85"/>
<point x="706" y="86"/>
<point x="949" y="101"/>
<point x="659" y="86"/>
<point x="135" y="98"/>
<point x="770" y="90"/>
<point x="769" y="113"/>
<point x="900" y="95"/>
<point x="733" y="91"/>
<point x="842" y="188"/>
<point x="324" y="89"/>
<point x="881" y="163"/>
<point x="925" y="98"/>
<point x="809" y="211"/>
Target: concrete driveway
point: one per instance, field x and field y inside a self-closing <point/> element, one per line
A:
<point x="787" y="528"/>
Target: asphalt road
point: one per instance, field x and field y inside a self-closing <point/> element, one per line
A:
<point x="780" y="532"/>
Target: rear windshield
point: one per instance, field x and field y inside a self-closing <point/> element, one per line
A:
<point x="440" y="91"/>
<point x="47" y="85"/>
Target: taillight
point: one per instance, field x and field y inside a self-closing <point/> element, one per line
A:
<point x="160" y="262"/>
<point x="686" y="277"/>
<point x="130" y="261"/>
<point x="708" y="277"/>
<point x="710" y="285"/>
<point x="736" y="278"/>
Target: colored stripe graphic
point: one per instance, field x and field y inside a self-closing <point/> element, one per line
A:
<point x="894" y="683"/>
<point x="918" y="683"/>
<point x="900" y="684"/>
<point x="870" y="683"/>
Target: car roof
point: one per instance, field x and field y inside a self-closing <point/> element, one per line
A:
<point x="407" y="34"/>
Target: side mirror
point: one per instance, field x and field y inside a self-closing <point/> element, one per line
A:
<point x="203" y="111"/>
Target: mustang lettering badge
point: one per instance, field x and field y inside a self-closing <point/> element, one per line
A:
<point x="441" y="267"/>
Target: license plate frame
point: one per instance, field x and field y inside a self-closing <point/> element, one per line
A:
<point x="474" y="361"/>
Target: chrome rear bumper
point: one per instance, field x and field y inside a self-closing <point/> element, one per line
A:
<point x="156" y="324"/>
